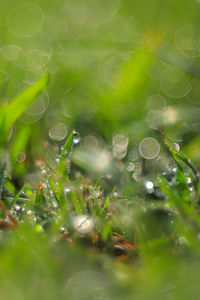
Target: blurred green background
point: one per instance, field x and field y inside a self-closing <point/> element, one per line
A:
<point x="119" y="71"/>
<point x="116" y="67"/>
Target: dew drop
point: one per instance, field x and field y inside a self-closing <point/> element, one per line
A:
<point x="17" y="208"/>
<point x="55" y="205"/>
<point x="172" y="166"/>
<point x="176" y="147"/>
<point x="63" y="230"/>
<point x="188" y="180"/>
<point x="130" y="167"/>
<point x="67" y="190"/>
<point x="76" y="139"/>
<point x="115" y="193"/>
<point x="57" y="159"/>
<point x="44" y="172"/>
<point x="149" y="186"/>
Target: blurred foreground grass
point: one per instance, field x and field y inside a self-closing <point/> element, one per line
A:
<point x="109" y="210"/>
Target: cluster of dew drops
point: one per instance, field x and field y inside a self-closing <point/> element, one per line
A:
<point x="21" y="209"/>
<point x="46" y="173"/>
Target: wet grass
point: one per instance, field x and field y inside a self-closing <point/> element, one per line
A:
<point x="99" y="150"/>
<point x="74" y="239"/>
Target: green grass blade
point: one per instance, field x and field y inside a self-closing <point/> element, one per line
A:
<point x="65" y="153"/>
<point x="16" y="108"/>
<point x="177" y="155"/>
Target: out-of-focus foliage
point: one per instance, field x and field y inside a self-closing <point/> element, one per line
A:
<point x="99" y="166"/>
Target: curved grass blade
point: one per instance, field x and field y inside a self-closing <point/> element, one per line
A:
<point x="177" y="155"/>
<point x="16" y="108"/>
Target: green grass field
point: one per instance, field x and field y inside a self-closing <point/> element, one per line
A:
<point x="99" y="149"/>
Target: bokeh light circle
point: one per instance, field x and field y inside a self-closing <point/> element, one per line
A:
<point x="149" y="148"/>
<point x="3" y="76"/>
<point x="194" y="95"/>
<point x="25" y="19"/>
<point x="58" y="132"/>
<point x="32" y="60"/>
<point x="174" y="82"/>
<point x="10" y="52"/>
<point x="155" y="119"/>
<point x="187" y="40"/>
<point x="156" y="102"/>
<point x="83" y="224"/>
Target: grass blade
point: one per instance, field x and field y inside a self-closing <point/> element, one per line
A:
<point x="16" y="108"/>
<point x="65" y="153"/>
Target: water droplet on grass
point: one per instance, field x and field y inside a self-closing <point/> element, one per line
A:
<point x="63" y="230"/>
<point x="57" y="159"/>
<point x="172" y="166"/>
<point x="17" y="208"/>
<point x="54" y="205"/>
<point x="149" y="186"/>
<point x="44" y="172"/>
<point x="76" y="139"/>
<point x="176" y="147"/>
<point x="67" y="190"/>
<point x="188" y="180"/>
<point x="130" y="167"/>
